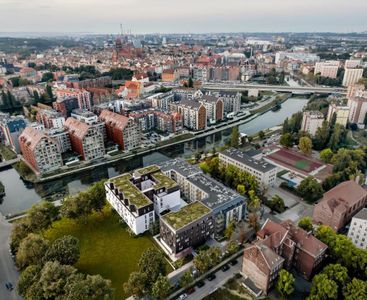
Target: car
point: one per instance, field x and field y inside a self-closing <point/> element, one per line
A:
<point x="225" y="268"/>
<point x="190" y="290"/>
<point x="182" y="296"/>
<point x="9" y="286"/>
<point x="200" y="284"/>
<point x="211" y="277"/>
<point x="233" y="262"/>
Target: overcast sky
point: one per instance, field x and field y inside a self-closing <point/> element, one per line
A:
<point x="165" y="16"/>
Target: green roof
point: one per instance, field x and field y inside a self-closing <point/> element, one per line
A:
<point x="161" y="180"/>
<point x="130" y="191"/>
<point x="147" y="170"/>
<point x="186" y="215"/>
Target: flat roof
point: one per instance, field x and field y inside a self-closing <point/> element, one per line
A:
<point x="162" y="180"/>
<point x="186" y="215"/>
<point x="181" y="166"/>
<point x="258" y="164"/>
<point x="362" y="214"/>
<point x="130" y="191"/>
<point x="147" y="170"/>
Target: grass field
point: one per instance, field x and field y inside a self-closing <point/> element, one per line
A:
<point x="302" y="164"/>
<point x="106" y="247"/>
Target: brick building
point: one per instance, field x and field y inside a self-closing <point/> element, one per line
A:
<point x="66" y="105"/>
<point x="340" y="204"/>
<point x="83" y="96"/>
<point x="194" y="114"/>
<point x="40" y="151"/>
<point x="120" y="129"/>
<point x="86" y="140"/>
<point x="280" y="246"/>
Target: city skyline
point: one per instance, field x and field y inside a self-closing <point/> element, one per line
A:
<point x="162" y="16"/>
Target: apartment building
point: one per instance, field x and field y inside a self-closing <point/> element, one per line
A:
<point x="11" y="128"/>
<point x="340" y="204"/>
<point x="358" y="229"/>
<point x="170" y="75"/>
<point x="122" y="130"/>
<point x="40" y="151"/>
<point x="194" y="114"/>
<point x="327" y="68"/>
<point x="139" y="196"/>
<point x="312" y="120"/>
<point x="264" y="172"/>
<point x="231" y="101"/>
<point x="191" y="226"/>
<point x="50" y="118"/>
<point x="214" y="108"/>
<point x="281" y="245"/>
<point x="352" y="63"/>
<point x="83" y="96"/>
<point x="61" y="137"/>
<point x="66" y="105"/>
<point x="161" y="101"/>
<point x="341" y="113"/>
<point x="85" y="139"/>
<point x="200" y="73"/>
<point x="357" y="103"/>
<point x="352" y="76"/>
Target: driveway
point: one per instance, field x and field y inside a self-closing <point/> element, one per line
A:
<point x="8" y="272"/>
<point x="221" y="279"/>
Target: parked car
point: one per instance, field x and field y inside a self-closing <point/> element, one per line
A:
<point x="233" y="262"/>
<point x="200" y="284"/>
<point x="182" y="296"/>
<point x="225" y="268"/>
<point x="211" y="277"/>
<point x="190" y="290"/>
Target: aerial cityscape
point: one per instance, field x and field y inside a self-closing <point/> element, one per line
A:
<point x="197" y="150"/>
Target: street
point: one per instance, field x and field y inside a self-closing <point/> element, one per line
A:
<point x="211" y="286"/>
<point x="8" y="272"/>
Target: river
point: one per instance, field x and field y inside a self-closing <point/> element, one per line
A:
<point x="20" y="196"/>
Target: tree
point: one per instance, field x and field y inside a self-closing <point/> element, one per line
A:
<point x="253" y="221"/>
<point x="53" y="279"/>
<point x="336" y="272"/>
<point x="97" y="196"/>
<point x="186" y="279"/>
<point x="190" y="83"/>
<point x="306" y="224"/>
<point x="285" y="283"/>
<point x="322" y="136"/>
<point x="27" y="278"/>
<point x="276" y="203"/>
<point x="31" y="250"/>
<point x="153" y="264"/>
<point x="65" y="250"/>
<point x="255" y="203"/>
<point x="310" y="189"/>
<point x="305" y="145"/>
<point x="48" y="76"/>
<point x="49" y="92"/>
<point x="261" y="135"/>
<point x="77" y="207"/>
<point x="19" y="232"/>
<point x="337" y="137"/>
<point x="286" y="140"/>
<point x="232" y="247"/>
<point x="235" y="136"/>
<point x="41" y="215"/>
<point x="161" y="287"/>
<point x="355" y="290"/>
<point x="137" y="284"/>
<point x="326" y="155"/>
<point x="241" y="189"/>
<point x="202" y="262"/>
<point x="323" y="288"/>
<point x="81" y="287"/>
<point x="228" y="232"/>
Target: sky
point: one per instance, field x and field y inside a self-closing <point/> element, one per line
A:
<point x="182" y="16"/>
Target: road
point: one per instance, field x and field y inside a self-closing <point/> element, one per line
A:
<point x="211" y="286"/>
<point x="8" y="272"/>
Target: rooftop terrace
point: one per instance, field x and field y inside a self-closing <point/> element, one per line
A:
<point x="130" y="191"/>
<point x="186" y="215"/>
<point x="162" y="181"/>
<point x="147" y="170"/>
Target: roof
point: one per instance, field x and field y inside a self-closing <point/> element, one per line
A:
<point x="362" y="214"/>
<point x="114" y="119"/>
<point x="190" y="103"/>
<point x="186" y="215"/>
<point x="31" y="137"/>
<point x="347" y="193"/>
<point x="242" y="157"/>
<point x="77" y="128"/>
<point x="180" y="166"/>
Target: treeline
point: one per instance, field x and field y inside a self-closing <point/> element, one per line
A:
<point x="321" y="80"/>
<point x="9" y="102"/>
<point x="47" y="270"/>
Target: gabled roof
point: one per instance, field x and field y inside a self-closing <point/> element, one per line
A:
<point x="32" y="137"/>
<point x="77" y="128"/>
<point x="114" y="119"/>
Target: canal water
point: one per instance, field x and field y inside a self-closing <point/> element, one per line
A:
<point x="20" y="195"/>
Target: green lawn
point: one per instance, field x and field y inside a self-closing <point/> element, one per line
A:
<point x="302" y="164"/>
<point x="106" y="247"/>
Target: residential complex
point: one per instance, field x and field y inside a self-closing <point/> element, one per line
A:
<point x="352" y="76"/>
<point x="358" y="229"/>
<point x="327" y="68"/>
<point x="341" y="113"/>
<point x="194" y="114"/>
<point x="11" y="128"/>
<point x="340" y="204"/>
<point x="283" y="245"/>
<point x="40" y="151"/>
<point x="264" y="172"/>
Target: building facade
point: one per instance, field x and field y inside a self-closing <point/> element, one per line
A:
<point x="341" y="114"/>
<point x="194" y="114"/>
<point x="352" y="76"/>
<point x="358" y="229"/>
<point x="312" y="120"/>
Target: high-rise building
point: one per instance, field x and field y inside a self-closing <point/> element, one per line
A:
<point x="311" y="121"/>
<point x="352" y="76"/>
<point x="341" y="113"/>
<point x="327" y="68"/>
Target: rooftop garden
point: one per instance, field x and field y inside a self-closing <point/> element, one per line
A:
<point x="162" y="180"/>
<point x="148" y="170"/>
<point x="186" y="215"/>
<point x="130" y="191"/>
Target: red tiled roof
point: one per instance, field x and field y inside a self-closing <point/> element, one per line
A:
<point x="76" y="127"/>
<point x="113" y="118"/>
<point x="31" y="137"/>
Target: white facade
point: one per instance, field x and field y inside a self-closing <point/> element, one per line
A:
<point x="358" y="109"/>
<point x="352" y="63"/>
<point x="311" y="121"/>
<point x="327" y="68"/>
<point x="352" y="76"/>
<point x="358" y="229"/>
<point x="341" y="112"/>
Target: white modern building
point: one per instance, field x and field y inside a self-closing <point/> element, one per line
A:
<point x="358" y="229"/>
<point x="327" y="68"/>
<point x="264" y="172"/>
<point x="311" y="121"/>
<point x="140" y="196"/>
<point x="341" y="112"/>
